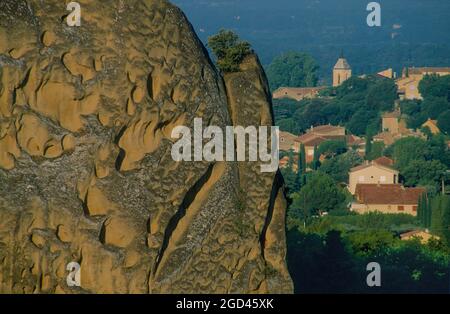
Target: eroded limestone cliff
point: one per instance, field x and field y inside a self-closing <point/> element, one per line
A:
<point x="86" y="173"/>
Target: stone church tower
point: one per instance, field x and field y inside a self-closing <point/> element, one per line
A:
<point x="341" y="71"/>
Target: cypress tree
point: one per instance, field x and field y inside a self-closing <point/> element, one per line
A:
<point x="368" y="146"/>
<point x="420" y="211"/>
<point x="428" y="211"/>
<point x="301" y="168"/>
<point x="316" y="162"/>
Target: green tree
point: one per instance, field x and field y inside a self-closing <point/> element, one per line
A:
<point x="367" y="242"/>
<point x="423" y="172"/>
<point x="440" y="220"/>
<point x="368" y="145"/>
<point x="315" y="164"/>
<point x="408" y="149"/>
<point x="424" y="211"/>
<point x="301" y="168"/>
<point x="302" y="160"/>
<point x="434" y="85"/>
<point x="319" y="194"/>
<point x="376" y="151"/>
<point x="381" y="95"/>
<point x="443" y="122"/>
<point x="361" y="119"/>
<point x="229" y="50"/>
<point x="339" y="167"/>
<point x="433" y="107"/>
<point x="289" y="173"/>
<point x="332" y="148"/>
<point x="292" y="69"/>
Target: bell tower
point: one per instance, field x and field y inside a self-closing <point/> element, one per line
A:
<point x="341" y="71"/>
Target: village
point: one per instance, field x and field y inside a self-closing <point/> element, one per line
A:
<point x="375" y="185"/>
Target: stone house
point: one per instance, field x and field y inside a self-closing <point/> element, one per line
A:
<point x="371" y="173"/>
<point x="386" y="198"/>
<point x="408" y="84"/>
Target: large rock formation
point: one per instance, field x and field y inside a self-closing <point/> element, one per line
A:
<point x="86" y="173"/>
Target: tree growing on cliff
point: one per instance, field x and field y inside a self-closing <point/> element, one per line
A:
<point x="229" y="50"/>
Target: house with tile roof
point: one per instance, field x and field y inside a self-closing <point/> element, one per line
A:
<point x="288" y="141"/>
<point x="372" y="173"/>
<point x="423" y="235"/>
<point x="408" y="84"/>
<point x="317" y="135"/>
<point x="386" y="198"/>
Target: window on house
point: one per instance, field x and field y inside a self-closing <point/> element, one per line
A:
<point x="383" y="179"/>
<point x="311" y="152"/>
<point x="401" y="208"/>
<point x="361" y="179"/>
<point x="414" y="208"/>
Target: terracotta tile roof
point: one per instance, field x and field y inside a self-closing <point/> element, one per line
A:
<point x="306" y="137"/>
<point x="333" y="137"/>
<point x="287" y="140"/>
<point x="394" y="194"/>
<point x="384" y="161"/>
<point x="423" y="70"/>
<point x="314" y="141"/>
<point x="326" y="128"/>
<point x="372" y="164"/>
<point x="354" y="140"/>
<point x="317" y="135"/>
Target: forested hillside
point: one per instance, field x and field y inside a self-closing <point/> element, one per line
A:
<point x="413" y="33"/>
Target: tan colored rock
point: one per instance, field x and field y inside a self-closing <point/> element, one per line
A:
<point x="48" y="38"/>
<point x="131" y="259"/>
<point x="64" y="234"/>
<point x="79" y="64"/>
<point x="35" y="139"/>
<point x="119" y="232"/>
<point x="86" y="173"/>
<point x="38" y="240"/>
<point x="97" y="203"/>
<point x="68" y="142"/>
<point x="9" y="150"/>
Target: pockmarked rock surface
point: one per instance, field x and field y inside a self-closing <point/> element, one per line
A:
<point x="86" y="172"/>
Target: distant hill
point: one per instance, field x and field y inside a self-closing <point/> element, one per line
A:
<point x="413" y="32"/>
